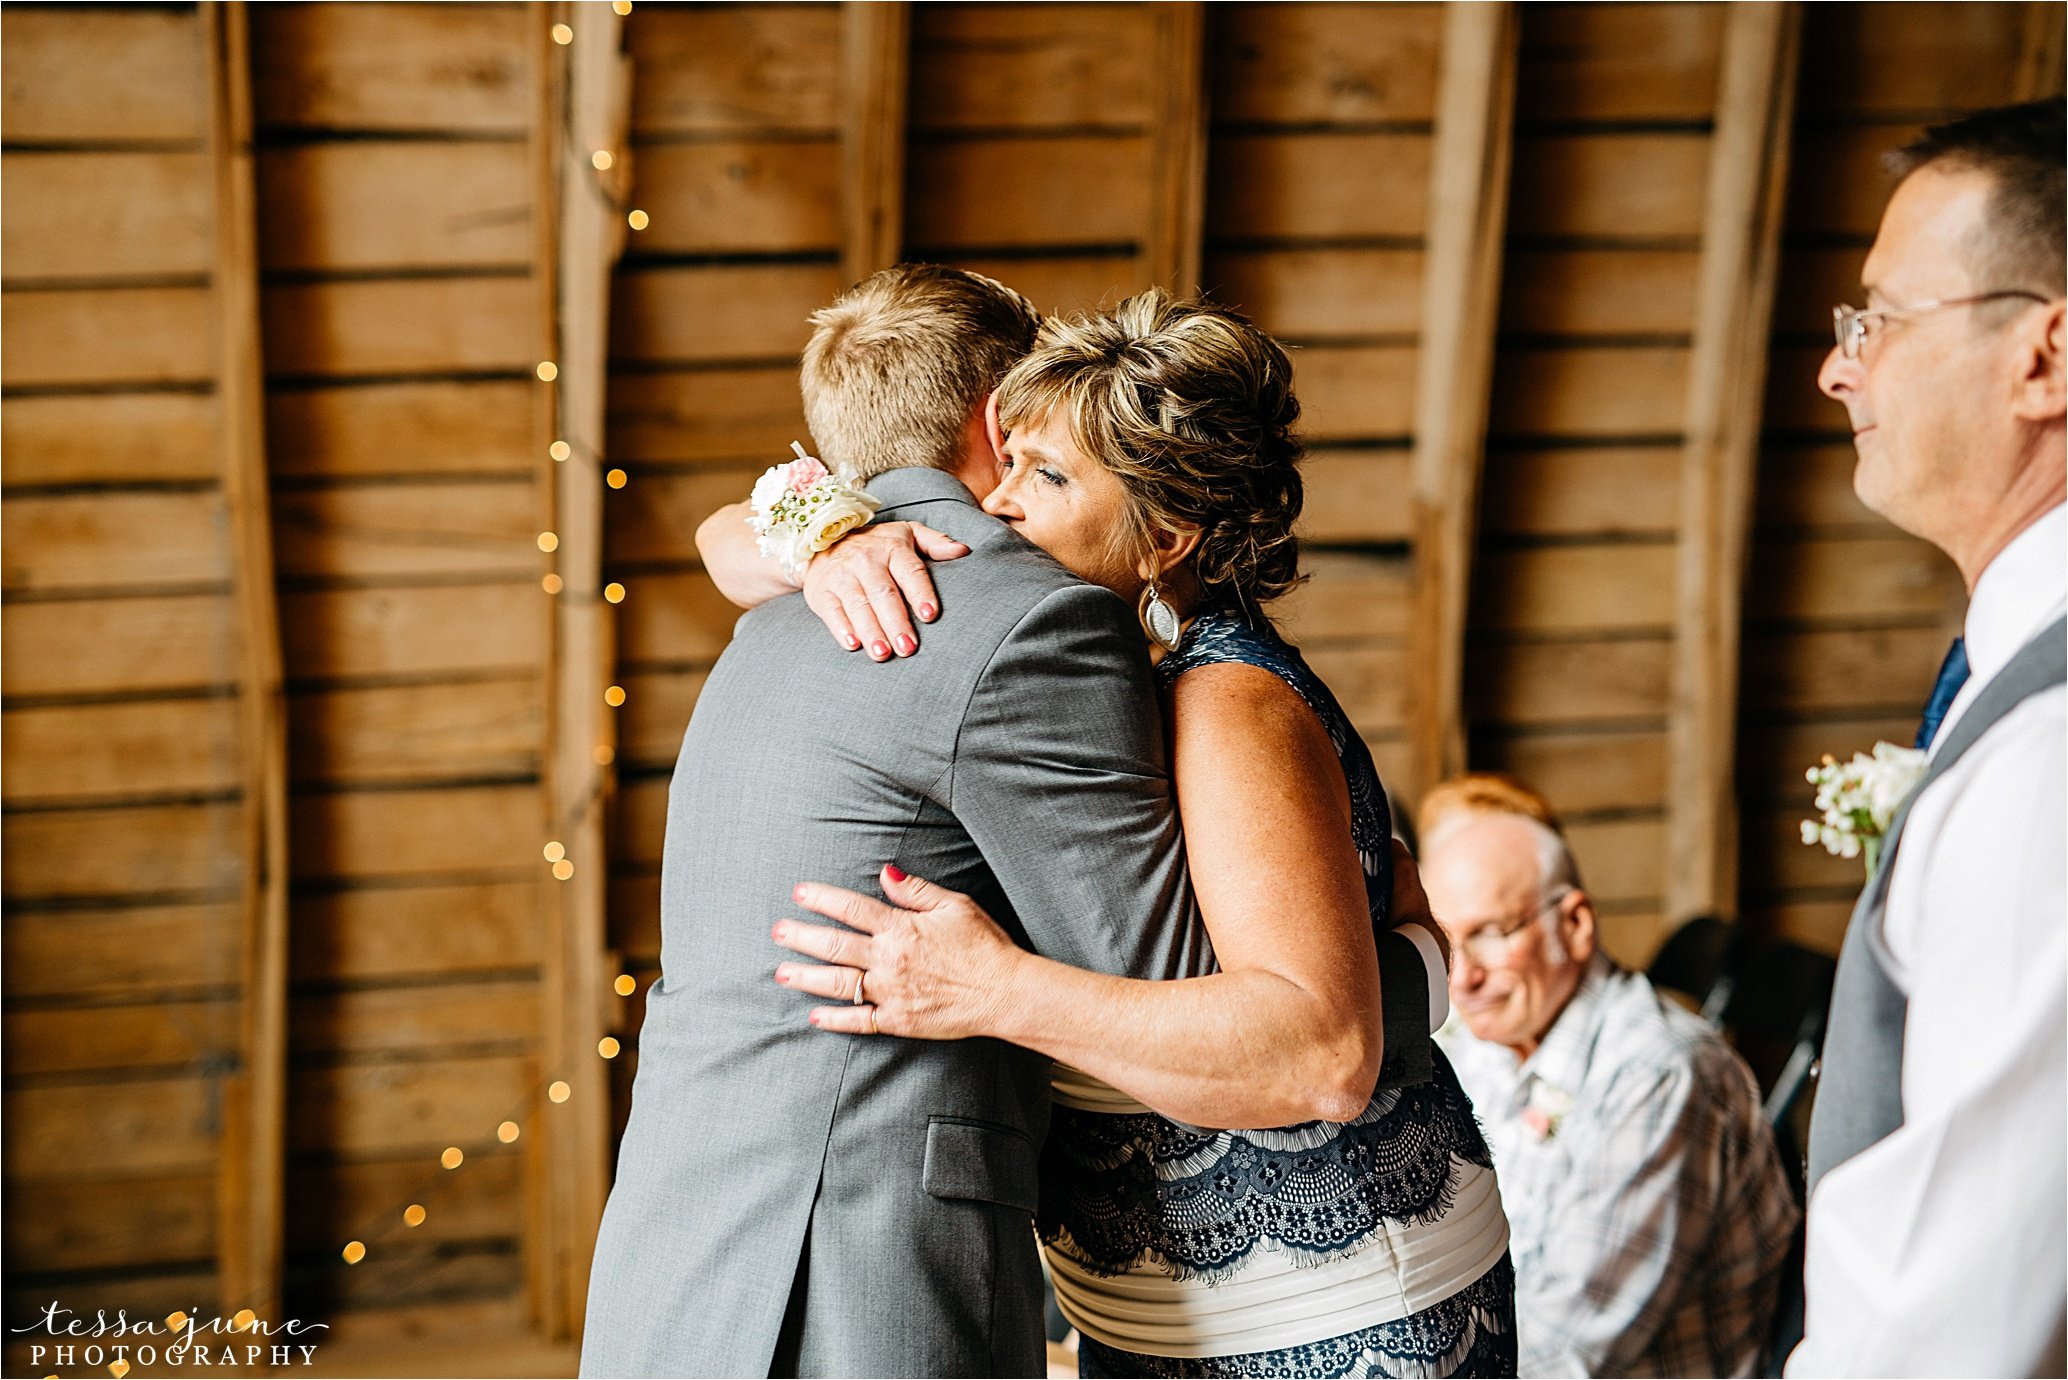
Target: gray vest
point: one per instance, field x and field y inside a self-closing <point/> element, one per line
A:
<point x="1860" y="1100"/>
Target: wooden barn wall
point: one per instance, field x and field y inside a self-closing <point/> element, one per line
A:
<point x="1846" y="618"/>
<point x="395" y="187"/>
<point x="404" y="298"/>
<point x="1569" y="640"/>
<point x="123" y="825"/>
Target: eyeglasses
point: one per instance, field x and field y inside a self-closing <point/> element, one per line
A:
<point x="1850" y="326"/>
<point x="1488" y="945"/>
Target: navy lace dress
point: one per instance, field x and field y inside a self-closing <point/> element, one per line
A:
<point x="1146" y="1219"/>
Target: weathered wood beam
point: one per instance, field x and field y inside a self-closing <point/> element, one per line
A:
<point x="1741" y="251"/>
<point x="1177" y="168"/>
<point x="875" y="38"/>
<point x="1468" y="216"/>
<point x="584" y="110"/>
<point x="2040" y="51"/>
<point x="251" y="1176"/>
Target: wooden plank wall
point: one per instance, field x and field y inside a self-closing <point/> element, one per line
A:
<point x="396" y="195"/>
<point x="1569" y="634"/>
<point x="124" y="817"/>
<point x="1846" y="618"/>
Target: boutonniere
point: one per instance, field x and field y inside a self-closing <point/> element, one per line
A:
<point x="801" y="508"/>
<point x="1859" y="799"/>
<point x="1546" y="1109"/>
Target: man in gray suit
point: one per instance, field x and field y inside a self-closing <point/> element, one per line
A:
<point x="794" y="1202"/>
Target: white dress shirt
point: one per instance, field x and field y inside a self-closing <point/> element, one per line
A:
<point x="1940" y="1250"/>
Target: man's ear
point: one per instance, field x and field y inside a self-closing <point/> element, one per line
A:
<point x="2042" y="393"/>
<point x="1576" y="926"/>
<point x="994" y="433"/>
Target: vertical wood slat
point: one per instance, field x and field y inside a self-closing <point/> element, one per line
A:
<point x="1177" y="198"/>
<point x="1468" y="214"/>
<point x="2040" y="51"/>
<point x="251" y="1175"/>
<point x="875" y="72"/>
<point x="585" y="90"/>
<point x="1741" y="248"/>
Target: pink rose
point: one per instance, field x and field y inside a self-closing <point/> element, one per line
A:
<point x="804" y="473"/>
<point x="1538" y="1121"/>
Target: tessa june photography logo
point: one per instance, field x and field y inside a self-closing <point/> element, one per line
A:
<point x="179" y="1339"/>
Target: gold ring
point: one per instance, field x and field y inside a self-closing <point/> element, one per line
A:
<point x="859" y="975"/>
<point x="872" y="1020"/>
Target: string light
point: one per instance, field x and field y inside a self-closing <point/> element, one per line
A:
<point x="508" y="1132"/>
<point x="638" y="220"/>
<point x="453" y="1157"/>
<point x="550" y="583"/>
<point x="118" y="1368"/>
<point x="625" y="986"/>
<point x="616" y="479"/>
<point x="244" y="1319"/>
<point x="562" y="35"/>
<point x="601" y="160"/>
<point x="621" y="6"/>
<point x="355" y="1251"/>
<point x="605" y="754"/>
<point x="563" y="869"/>
<point x="614" y="592"/>
<point x="560" y="450"/>
<point x="175" y="1321"/>
<point x="555" y="851"/>
<point x="614" y="696"/>
<point x="548" y="371"/>
<point x="559" y="1091"/>
<point x="413" y="1215"/>
<point x="607" y="1047"/>
<point x="549" y="541"/>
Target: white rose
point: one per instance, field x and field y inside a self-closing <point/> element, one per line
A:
<point x="839" y="515"/>
<point x="769" y="489"/>
<point x="788" y="547"/>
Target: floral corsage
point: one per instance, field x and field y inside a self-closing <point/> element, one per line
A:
<point x="1860" y="798"/>
<point x="801" y="508"/>
<point x="1545" y="1111"/>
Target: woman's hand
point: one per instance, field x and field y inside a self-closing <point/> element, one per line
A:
<point x="865" y="586"/>
<point x="938" y="969"/>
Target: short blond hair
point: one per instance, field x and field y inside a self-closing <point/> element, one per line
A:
<point x="898" y="362"/>
<point x="1482" y="792"/>
<point x="1191" y="407"/>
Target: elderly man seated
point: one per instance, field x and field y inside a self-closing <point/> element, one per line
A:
<point x="1649" y="1212"/>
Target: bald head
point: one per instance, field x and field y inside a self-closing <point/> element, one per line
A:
<point x="1504" y="887"/>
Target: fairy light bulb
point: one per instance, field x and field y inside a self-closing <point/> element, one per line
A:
<point x="621" y="6"/>
<point x="614" y="592"/>
<point x="548" y="371"/>
<point x="508" y="1132"/>
<point x="638" y="219"/>
<point x="555" y="851"/>
<point x="607" y="1047"/>
<point x="355" y="1251"/>
<point x="413" y="1215"/>
<point x="453" y="1157"/>
<point x="550" y="583"/>
<point x="549" y="541"/>
<point x="563" y="869"/>
<point x="614" y="696"/>
<point x="601" y="160"/>
<point x="625" y="986"/>
<point x="605" y="754"/>
<point x="562" y="35"/>
<point x="616" y="479"/>
<point x="560" y="450"/>
<point x="558" y="1091"/>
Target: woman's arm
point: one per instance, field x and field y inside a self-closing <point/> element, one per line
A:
<point x="864" y="587"/>
<point x="1290" y="1030"/>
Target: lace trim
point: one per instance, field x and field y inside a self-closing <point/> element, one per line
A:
<point x="1120" y="1190"/>
<point x="1471" y="1333"/>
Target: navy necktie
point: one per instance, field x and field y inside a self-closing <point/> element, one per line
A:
<point x="1952" y="675"/>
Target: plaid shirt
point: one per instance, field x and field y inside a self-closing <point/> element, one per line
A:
<point x="1648" y="1210"/>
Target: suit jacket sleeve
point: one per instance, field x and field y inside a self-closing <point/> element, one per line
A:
<point x="1061" y="778"/>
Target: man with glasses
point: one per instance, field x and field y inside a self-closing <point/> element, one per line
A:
<point x="1648" y="1210"/>
<point x="1938" y="1177"/>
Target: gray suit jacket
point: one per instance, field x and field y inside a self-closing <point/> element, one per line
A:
<point x="796" y="1202"/>
<point x="886" y="1184"/>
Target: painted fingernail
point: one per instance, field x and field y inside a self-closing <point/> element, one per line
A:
<point x="851" y="642"/>
<point x="879" y="649"/>
<point x="928" y="612"/>
<point x="783" y="976"/>
<point x="906" y="644"/>
<point x="779" y="930"/>
<point x="813" y="1018"/>
<point x="894" y="872"/>
<point x="797" y="892"/>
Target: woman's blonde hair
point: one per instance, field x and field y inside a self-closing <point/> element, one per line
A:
<point x="1192" y="409"/>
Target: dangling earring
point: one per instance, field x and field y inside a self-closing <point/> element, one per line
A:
<point x="1160" y="619"/>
